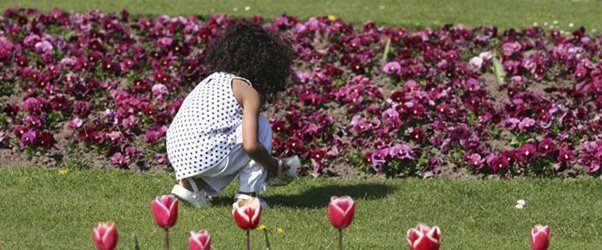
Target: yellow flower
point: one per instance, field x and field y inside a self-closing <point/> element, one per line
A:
<point x="332" y="18"/>
<point x="279" y="231"/>
<point x="63" y="171"/>
<point x="262" y="227"/>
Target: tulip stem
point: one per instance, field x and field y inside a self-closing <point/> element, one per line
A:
<point x="166" y="242"/>
<point x="340" y="239"/>
<point x="267" y="241"/>
<point x="248" y="240"/>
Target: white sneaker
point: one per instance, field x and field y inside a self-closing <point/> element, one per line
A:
<point x="262" y="203"/>
<point x="283" y="178"/>
<point x="196" y="198"/>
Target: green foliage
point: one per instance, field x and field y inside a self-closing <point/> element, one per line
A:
<point x="408" y="14"/>
<point x="355" y="159"/>
<point x="471" y="214"/>
<point x="498" y="69"/>
<point x="74" y="163"/>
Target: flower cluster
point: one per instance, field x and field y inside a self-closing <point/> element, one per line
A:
<point x="383" y="99"/>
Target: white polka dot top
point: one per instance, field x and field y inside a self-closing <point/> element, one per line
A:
<point x="204" y="130"/>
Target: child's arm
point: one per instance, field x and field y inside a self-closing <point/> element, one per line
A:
<point x="249" y="99"/>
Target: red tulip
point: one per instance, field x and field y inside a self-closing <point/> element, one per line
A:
<point x="540" y="237"/>
<point x="165" y="209"/>
<point x="424" y="237"/>
<point x="246" y="213"/>
<point x="200" y="240"/>
<point x="105" y="236"/>
<point x="341" y="211"/>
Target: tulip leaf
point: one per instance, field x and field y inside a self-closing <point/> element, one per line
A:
<point x="498" y="69"/>
<point x="387" y="49"/>
<point x="136" y="244"/>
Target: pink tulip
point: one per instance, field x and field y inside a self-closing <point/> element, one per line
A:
<point x="165" y="209"/>
<point x="540" y="237"/>
<point x="424" y="237"/>
<point x="105" y="236"/>
<point x="341" y="211"/>
<point x="246" y="213"/>
<point x="200" y="240"/>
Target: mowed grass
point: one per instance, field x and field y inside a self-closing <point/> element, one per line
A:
<point x="409" y="13"/>
<point x="43" y="210"/>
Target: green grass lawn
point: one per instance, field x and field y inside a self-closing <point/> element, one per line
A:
<point x="42" y="210"/>
<point x="411" y="13"/>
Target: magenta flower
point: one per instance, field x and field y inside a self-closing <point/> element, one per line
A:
<point x="565" y="156"/>
<point x="29" y="138"/>
<point x="546" y="147"/>
<point x="526" y="153"/>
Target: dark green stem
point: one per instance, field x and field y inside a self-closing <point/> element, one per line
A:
<point x="248" y="240"/>
<point x="267" y="241"/>
<point x="340" y="239"/>
<point x="166" y="242"/>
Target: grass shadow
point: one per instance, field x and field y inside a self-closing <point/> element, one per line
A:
<point x="318" y="197"/>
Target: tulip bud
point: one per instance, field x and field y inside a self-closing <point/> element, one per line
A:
<point x="540" y="237"/>
<point x="341" y="211"/>
<point x="105" y="236"/>
<point x="200" y="240"/>
<point x="424" y="237"/>
<point x="246" y="213"/>
<point x="165" y="209"/>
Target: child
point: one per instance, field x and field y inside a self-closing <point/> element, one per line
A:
<point x="218" y="133"/>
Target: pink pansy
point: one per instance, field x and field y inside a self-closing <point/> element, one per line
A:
<point x="115" y="137"/>
<point x="476" y="63"/>
<point x="120" y="160"/>
<point x="43" y="47"/>
<point x="510" y="48"/>
<point x="392" y="68"/>
<point x="526" y="124"/>
<point x="75" y="123"/>
<point x="159" y="89"/>
<point x="402" y="152"/>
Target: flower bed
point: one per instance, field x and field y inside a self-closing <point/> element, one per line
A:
<point x="376" y="99"/>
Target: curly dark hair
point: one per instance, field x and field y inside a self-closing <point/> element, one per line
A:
<point x="249" y="51"/>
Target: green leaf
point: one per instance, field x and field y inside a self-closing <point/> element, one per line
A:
<point x="387" y="49"/>
<point x="498" y="69"/>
